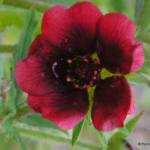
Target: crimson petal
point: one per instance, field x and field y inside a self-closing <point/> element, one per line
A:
<point x="119" y="50"/>
<point x="41" y="47"/>
<point x="84" y="28"/>
<point x="71" y="28"/>
<point x="56" y="24"/>
<point x="112" y="100"/>
<point x="65" y="109"/>
<point x="33" y="76"/>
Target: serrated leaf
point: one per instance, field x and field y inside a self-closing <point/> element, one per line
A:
<point x="38" y="121"/>
<point x="76" y="132"/>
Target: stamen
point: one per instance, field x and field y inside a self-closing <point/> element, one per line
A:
<point x="94" y="78"/>
<point x="97" y="61"/>
<point x="68" y="79"/>
<point x="43" y="74"/>
<point x="61" y="59"/>
<point x="85" y="86"/>
<point x="69" y="61"/>
<point x="79" y="72"/>
<point x="70" y="49"/>
<point x="66" y="40"/>
<point x="53" y="69"/>
<point x="76" y="85"/>
<point x="91" y="82"/>
<point x="85" y="60"/>
<point x="95" y="72"/>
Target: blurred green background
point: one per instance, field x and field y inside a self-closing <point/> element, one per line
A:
<point x="19" y="23"/>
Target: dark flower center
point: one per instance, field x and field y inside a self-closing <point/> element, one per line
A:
<point x="77" y="72"/>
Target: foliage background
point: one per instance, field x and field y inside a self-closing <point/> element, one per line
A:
<point x="20" y="128"/>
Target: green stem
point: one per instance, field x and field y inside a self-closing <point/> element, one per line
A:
<point x="47" y="136"/>
<point x="7" y="48"/>
<point x="40" y="6"/>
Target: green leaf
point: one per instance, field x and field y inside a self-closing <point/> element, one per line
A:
<point x="76" y="132"/>
<point x="123" y="133"/>
<point x="10" y="16"/>
<point x="44" y="136"/>
<point x="64" y="2"/>
<point x="1" y="107"/>
<point x="119" y="6"/>
<point x="131" y="124"/>
<point x="18" y="140"/>
<point x="26" y="36"/>
<point x="138" y="9"/>
<point x="27" y="4"/>
<point x="144" y="36"/>
<point x="15" y="94"/>
<point x="103" y="141"/>
<point x="116" y="145"/>
<point x="142" y="11"/>
<point x="5" y="145"/>
<point x="11" y="132"/>
<point x="101" y="137"/>
<point x="38" y="121"/>
<point x="142" y="76"/>
<point x="137" y="78"/>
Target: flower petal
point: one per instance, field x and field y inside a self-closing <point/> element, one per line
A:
<point x="119" y="50"/>
<point x="36" y="45"/>
<point x="138" y="57"/>
<point x="85" y="28"/>
<point x="41" y="47"/>
<point x="56" y="25"/>
<point x="33" y="76"/>
<point x="132" y="106"/>
<point x="112" y="100"/>
<point x="65" y="109"/>
<point x="71" y="29"/>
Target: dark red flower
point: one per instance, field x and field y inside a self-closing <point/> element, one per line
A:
<point x="119" y="51"/>
<point x="60" y="68"/>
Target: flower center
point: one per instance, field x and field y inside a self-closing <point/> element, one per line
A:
<point x="78" y="72"/>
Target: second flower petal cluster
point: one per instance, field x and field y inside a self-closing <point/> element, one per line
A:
<point x="60" y="66"/>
